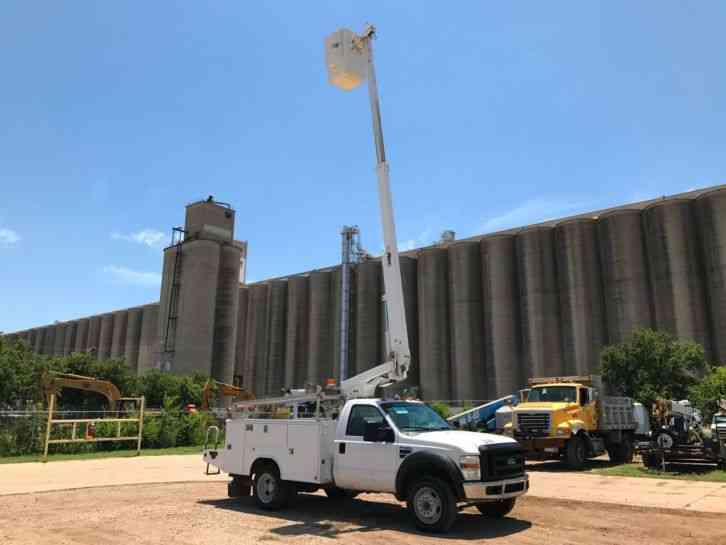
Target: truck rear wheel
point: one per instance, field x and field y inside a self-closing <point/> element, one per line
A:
<point x="269" y="490"/>
<point x="498" y="509"/>
<point x="432" y="504"/>
<point x="621" y="453"/>
<point x="575" y="453"/>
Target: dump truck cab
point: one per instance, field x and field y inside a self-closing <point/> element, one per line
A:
<point x="569" y="418"/>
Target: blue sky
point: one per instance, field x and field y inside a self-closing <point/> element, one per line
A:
<point x="116" y="115"/>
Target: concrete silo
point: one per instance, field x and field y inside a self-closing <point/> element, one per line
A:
<point x="434" y="334"/>
<point x="132" y="343"/>
<point x="105" y="337"/>
<point x="296" y="339"/>
<point x="149" y="338"/>
<point x="254" y="377"/>
<point x="677" y="291"/>
<point x="539" y="303"/>
<point x="225" y="314"/>
<point x="94" y="335"/>
<point x="81" y="343"/>
<point x="118" y="340"/>
<point x="468" y="380"/>
<point x="368" y="326"/>
<point x="320" y="345"/>
<point x="277" y="305"/>
<point x="582" y="307"/>
<point x="199" y="296"/>
<point x="69" y="341"/>
<point x="502" y="324"/>
<point x="626" y="286"/>
<point x="711" y="215"/>
<point x="59" y="339"/>
<point x="410" y="300"/>
<point x="242" y="304"/>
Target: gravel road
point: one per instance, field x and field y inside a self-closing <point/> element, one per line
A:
<point x="201" y="513"/>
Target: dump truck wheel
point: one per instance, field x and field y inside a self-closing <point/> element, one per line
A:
<point x="498" y="509"/>
<point x="432" y="504"/>
<point x="575" y="453"/>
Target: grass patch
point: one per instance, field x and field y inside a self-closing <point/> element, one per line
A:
<point x="679" y="472"/>
<point x="101" y="454"/>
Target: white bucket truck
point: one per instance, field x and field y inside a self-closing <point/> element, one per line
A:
<point x="346" y="442"/>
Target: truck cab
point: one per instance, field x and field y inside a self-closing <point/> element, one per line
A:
<point x="400" y="447"/>
<point x="569" y="418"/>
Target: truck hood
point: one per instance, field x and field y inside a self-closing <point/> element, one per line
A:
<point x="467" y="441"/>
<point x="543" y="406"/>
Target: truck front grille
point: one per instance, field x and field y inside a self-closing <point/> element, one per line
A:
<point x="721" y="434"/>
<point x="537" y="423"/>
<point x="499" y="462"/>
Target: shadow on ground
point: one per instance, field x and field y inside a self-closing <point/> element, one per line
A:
<point x="556" y="466"/>
<point x="316" y="515"/>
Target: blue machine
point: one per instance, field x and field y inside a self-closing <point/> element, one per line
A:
<point x="483" y="416"/>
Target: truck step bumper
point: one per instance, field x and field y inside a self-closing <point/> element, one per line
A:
<point x="496" y="490"/>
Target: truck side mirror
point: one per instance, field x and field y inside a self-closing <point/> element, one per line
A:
<point x="376" y="432"/>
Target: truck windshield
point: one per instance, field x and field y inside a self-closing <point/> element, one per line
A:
<point x="719" y="419"/>
<point x="414" y="417"/>
<point x="556" y="394"/>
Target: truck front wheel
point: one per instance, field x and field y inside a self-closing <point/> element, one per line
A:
<point x="432" y="504"/>
<point x="575" y="453"/>
<point x="498" y="509"/>
<point x="269" y="490"/>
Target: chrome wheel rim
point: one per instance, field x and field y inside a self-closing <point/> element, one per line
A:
<point x="428" y="505"/>
<point x="266" y="488"/>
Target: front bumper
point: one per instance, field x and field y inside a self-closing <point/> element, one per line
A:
<point x="496" y="490"/>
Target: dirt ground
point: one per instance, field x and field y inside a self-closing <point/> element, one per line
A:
<point x="201" y="513"/>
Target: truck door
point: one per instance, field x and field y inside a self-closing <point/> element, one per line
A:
<point x="588" y="409"/>
<point x="364" y="465"/>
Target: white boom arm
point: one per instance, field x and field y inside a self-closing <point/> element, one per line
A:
<point x="398" y="360"/>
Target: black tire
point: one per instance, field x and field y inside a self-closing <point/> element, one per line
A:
<point x="625" y="451"/>
<point x="612" y="453"/>
<point x="650" y="460"/>
<point x="432" y="504"/>
<point x="575" y="453"/>
<point x="336" y="493"/>
<point x="497" y="509"/>
<point x="270" y="492"/>
<point x="621" y="453"/>
<point x="237" y="488"/>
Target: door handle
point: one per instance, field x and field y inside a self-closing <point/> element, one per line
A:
<point x="341" y="448"/>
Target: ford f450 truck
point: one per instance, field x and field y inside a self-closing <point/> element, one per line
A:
<point x="346" y="441"/>
<point x="401" y="447"/>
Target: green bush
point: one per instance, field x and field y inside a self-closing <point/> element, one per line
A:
<point x="442" y="408"/>
<point x="21" y="389"/>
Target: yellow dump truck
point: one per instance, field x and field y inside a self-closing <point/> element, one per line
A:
<point x="571" y="418"/>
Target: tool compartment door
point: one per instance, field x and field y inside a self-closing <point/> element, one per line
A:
<point x="302" y="459"/>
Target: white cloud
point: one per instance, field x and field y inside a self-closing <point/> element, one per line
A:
<point x="423" y="239"/>
<point x="533" y="211"/>
<point x="150" y="237"/>
<point x="8" y="237"/>
<point x="132" y="277"/>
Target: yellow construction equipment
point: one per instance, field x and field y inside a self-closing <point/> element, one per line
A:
<point x="53" y="383"/>
<point x="223" y="390"/>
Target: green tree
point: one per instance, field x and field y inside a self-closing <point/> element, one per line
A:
<point x="652" y="365"/>
<point x="706" y="394"/>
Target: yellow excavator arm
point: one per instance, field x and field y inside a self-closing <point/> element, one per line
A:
<point x="54" y="383"/>
<point x="223" y="389"/>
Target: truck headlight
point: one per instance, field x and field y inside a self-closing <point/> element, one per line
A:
<point x="564" y="431"/>
<point x="470" y="467"/>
